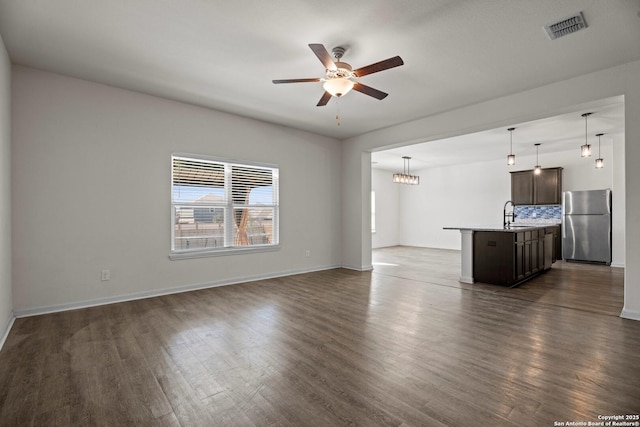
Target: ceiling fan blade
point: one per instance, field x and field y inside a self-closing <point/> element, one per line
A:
<point x="323" y="101"/>
<point x="368" y="90"/>
<point x="296" y="80"/>
<point x="323" y="56"/>
<point x="396" y="61"/>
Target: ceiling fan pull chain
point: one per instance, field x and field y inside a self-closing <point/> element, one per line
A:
<point x="338" y="110"/>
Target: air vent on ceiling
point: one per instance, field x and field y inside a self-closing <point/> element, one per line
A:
<point x="566" y="26"/>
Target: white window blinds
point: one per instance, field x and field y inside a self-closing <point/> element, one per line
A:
<point x="219" y="205"/>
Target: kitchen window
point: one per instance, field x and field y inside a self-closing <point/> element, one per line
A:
<point x="220" y="207"/>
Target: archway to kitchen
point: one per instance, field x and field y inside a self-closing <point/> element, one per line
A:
<point x="465" y="181"/>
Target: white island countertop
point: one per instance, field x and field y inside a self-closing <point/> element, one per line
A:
<point x="509" y="229"/>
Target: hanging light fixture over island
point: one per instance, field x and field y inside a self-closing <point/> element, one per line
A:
<point x="511" y="158"/>
<point x="599" y="160"/>
<point x="538" y="169"/>
<point x="585" y="150"/>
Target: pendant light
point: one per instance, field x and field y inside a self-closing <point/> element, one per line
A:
<point x="599" y="160"/>
<point x="511" y="158"/>
<point x="538" y="169"/>
<point x="406" y="177"/>
<point x="585" y="150"/>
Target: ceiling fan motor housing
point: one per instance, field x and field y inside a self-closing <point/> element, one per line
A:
<point x="343" y="70"/>
<point x="338" y="52"/>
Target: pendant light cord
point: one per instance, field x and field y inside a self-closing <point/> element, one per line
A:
<point x="599" y="135"/>
<point x="511" y="142"/>
<point x="586" y="117"/>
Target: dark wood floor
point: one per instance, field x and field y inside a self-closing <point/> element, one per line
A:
<point x="405" y="345"/>
<point x="594" y="288"/>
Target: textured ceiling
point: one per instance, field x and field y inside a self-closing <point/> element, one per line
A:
<point x="223" y="55"/>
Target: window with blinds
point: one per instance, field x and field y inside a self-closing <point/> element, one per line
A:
<point x="219" y="206"/>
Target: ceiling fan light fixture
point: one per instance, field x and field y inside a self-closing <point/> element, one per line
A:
<point x="340" y="78"/>
<point x="338" y="86"/>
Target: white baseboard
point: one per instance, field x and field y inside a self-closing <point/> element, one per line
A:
<point x="7" y="329"/>
<point x="630" y="314"/>
<point x="618" y="265"/>
<point x="363" y="268"/>
<point x="155" y="293"/>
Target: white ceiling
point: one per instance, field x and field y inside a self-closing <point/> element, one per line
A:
<point x="559" y="133"/>
<point x="224" y="54"/>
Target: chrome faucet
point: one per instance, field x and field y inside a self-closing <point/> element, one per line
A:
<point x="506" y="215"/>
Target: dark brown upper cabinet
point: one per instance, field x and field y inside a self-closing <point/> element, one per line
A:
<point x="530" y="189"/>
<point x="522" y="187"/>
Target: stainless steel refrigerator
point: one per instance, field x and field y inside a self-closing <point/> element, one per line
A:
<point x="586" y="226"/>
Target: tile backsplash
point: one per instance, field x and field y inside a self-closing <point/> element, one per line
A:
<point x="546" y="214"/>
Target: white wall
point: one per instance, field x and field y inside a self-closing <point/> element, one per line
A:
<point x="581" y="174"/>
<point x="453" y="196"/>
<point x="91" y="183"/>
<point x="619" y="203"/>
<point x="387" y="199"/>
<point x="475" y="193"/>
<point x="6" y="306"/>
<point x="546" y="101"/>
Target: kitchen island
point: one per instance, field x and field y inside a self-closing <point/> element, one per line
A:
<point x="506" y="256"/>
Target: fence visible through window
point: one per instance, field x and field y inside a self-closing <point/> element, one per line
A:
<point x="219" y="205"/>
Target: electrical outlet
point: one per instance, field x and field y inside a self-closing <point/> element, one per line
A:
<point x="308" y="253"/>
<point x="105" y="275"/>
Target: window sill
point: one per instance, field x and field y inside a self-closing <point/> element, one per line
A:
<point x="174" y="256"/>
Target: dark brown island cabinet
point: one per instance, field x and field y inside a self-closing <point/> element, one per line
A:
<point x="512" y="256"/>
<point x="530" y="189"/>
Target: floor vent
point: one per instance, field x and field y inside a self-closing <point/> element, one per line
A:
<point x="566" y="26"/>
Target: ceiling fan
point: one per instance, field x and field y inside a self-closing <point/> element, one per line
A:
<point x="340" y="78"/>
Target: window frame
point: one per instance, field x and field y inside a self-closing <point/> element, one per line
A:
<point x="229" y="207"/>
<point x="373" y="211"/>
